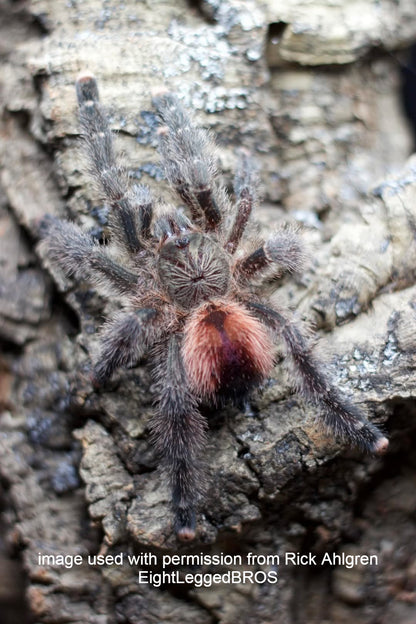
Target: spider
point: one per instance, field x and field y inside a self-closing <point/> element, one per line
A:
<point x="187" y="296"/>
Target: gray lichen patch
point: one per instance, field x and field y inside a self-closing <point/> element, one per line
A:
<point x="382" y="361"/>
<point x="205" y="46"/>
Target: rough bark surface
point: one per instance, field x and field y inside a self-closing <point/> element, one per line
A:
<point x="312" y="90"/>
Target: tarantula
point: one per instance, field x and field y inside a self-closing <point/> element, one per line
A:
<point x="187" y="294"/>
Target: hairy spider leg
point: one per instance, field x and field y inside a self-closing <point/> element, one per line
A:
<point x="246" y="192"/>
<point x="79" y="255"/>
<point x="124" y="340"/>
<point x="338" y="414"/>
<point x="189" y="164"/>
<point x="284" y="249"/>
<point x="178" y="431"/>
<point x="133" y="209"/>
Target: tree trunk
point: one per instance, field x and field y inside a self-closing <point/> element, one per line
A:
<point x="312" y="90"/>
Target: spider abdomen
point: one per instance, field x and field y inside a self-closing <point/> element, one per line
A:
<point x="226" y="351"/>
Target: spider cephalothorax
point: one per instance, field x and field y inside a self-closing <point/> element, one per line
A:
<point x="187" y="295"/>
<point x="193" y="268"/>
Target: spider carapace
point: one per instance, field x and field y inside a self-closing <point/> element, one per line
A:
<point x="188" y="285"/>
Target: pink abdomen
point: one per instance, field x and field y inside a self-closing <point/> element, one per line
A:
<point x="226" y="351"/>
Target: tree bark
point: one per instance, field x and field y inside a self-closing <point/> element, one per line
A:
<point x="313" y="91"/>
